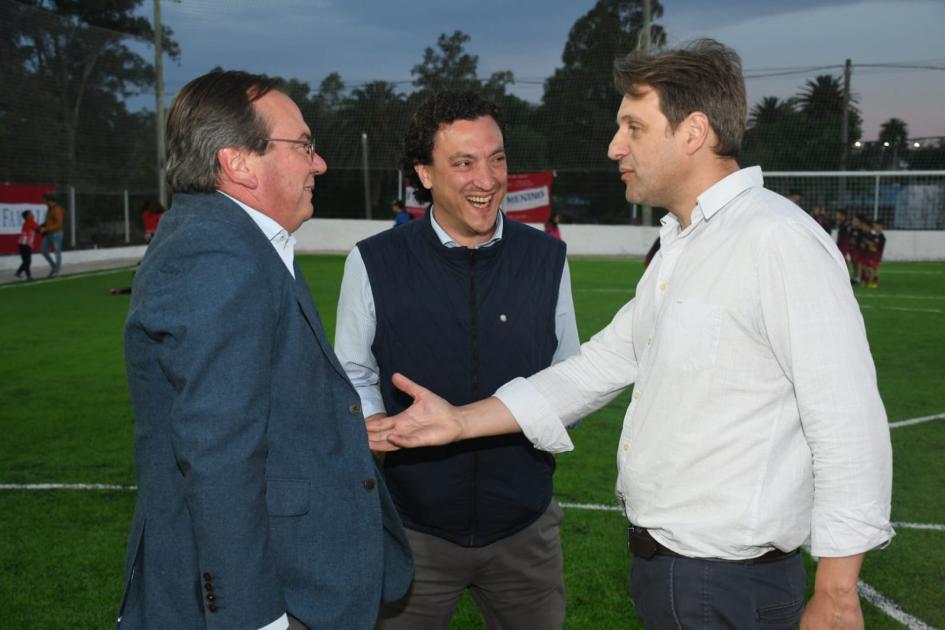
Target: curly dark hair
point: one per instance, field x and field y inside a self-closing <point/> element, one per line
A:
<point x="441" y="108"/>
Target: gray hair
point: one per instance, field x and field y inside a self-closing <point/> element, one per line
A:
<point x="210" y="113"/>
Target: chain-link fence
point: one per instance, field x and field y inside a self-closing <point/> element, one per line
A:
<point x="65" y="122"/>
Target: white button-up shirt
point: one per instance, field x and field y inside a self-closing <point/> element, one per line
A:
<point x="755" y="420"/>
<point x="279" y="237"/>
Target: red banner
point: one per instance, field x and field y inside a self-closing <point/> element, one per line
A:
<point x="14" y="199"/>
<point x="528" y="199"/>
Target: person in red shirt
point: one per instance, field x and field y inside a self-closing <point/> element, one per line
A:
<point x="151" y="213"/>
<point x="874" y="242"/>
<point x="25" y="243"/>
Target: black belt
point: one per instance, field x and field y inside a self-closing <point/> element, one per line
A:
<point x="643" y="545"/>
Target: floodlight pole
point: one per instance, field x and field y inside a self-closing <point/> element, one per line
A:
<point x="159" y="102"/>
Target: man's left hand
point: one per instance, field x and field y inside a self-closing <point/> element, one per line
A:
<point x="835" y="604"/>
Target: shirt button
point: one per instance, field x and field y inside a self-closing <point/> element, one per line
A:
<point x="626" y="446"/>
<point x="369" y="484"/>
<point x="649" y="340"/>
<point x="354" y="408"/>
<point x="636" y="395"/>
<point x="663" y="287"/>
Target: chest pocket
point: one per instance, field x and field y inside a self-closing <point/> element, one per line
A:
<point x="689" y="335"/>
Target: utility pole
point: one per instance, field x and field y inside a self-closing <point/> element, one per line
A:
<point x="159" y="102"/>
<point x="845" y="123"/>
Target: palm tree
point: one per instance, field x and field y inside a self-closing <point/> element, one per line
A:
<point x="823" y="96"/>
<point x="893" y="136"/>
<point x="770" y="110"/>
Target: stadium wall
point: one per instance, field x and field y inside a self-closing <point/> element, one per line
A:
<point x="340" y="235"/>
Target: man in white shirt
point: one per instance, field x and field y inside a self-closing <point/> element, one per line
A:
<point x="755" y="423"/>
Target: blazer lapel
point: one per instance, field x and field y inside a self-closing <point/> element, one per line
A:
<point x="304" y="297"/>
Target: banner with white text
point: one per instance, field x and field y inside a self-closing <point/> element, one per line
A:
<point x="528" y="199"/>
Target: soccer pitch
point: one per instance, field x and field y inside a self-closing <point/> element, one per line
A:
<point x="65" y="418"/>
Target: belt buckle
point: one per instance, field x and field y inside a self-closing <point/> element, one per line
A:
<point x="640" y="542"/>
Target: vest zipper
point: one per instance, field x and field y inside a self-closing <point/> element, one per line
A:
<point x="474" y="374"/>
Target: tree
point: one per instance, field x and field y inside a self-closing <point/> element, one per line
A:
<point x="771" y="137"/>
<point x="68" y="72"/>
<point x="580" y="101"/>
<point x="454" y="68"/>
<point x="770" y="110"/>
<point x="894" y="138"/>
<point x="818" y="136"/>
<point x="822" y="96"/>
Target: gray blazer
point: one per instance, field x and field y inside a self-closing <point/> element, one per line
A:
<point x="257" y="493"/>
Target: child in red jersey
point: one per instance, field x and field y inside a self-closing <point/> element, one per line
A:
<point x="25" y="243"/>
<point x="874" y="243"/>
<point x="858" y="227"/>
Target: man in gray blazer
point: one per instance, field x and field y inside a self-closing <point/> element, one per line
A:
<point x="259" y="504"/>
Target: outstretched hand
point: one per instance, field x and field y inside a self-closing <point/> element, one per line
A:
<point x="429" y="421"/>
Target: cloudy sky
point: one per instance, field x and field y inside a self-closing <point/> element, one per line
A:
<point x="369" y="40"/>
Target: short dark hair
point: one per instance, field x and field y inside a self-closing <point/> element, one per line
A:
<point x="50" y="197"/>
<point x="210" y="113"/>
<point x="26" y="212"/>
<point x="701" y="76"/>
<point x="441" y="108"/>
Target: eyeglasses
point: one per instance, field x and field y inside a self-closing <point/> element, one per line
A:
<point x="308" y="146"/>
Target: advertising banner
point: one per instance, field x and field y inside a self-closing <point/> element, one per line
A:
<point x="14" y="200"/>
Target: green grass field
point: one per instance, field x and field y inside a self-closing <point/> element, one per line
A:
<point x="65" y="417"/>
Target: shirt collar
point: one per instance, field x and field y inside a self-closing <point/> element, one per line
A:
<point x="725" y="190"/>
<point x="277" y="235"/>
<point x="448" y="240"/>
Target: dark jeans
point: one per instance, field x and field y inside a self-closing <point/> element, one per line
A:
<point x="688" y="593"/>
<point x="26" y="254"/>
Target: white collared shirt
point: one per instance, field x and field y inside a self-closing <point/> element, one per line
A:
<point x="755" y="420"/>
<point x="357" y="321"/>
<point x="281" y="240"/>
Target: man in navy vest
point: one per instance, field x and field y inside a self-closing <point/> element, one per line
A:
<point x="466" y="299"/>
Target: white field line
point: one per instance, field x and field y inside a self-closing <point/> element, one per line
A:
<point x="65" y="486"/>
<point x="907" y="525"/>
<point x="890" y="607"/>
<point x="908" y="272"/>
<point x="598" y="507"/>
<point x="902" y="308"/>
<point x="873" y="296"/>
<point x="912" y="421"/>
<point x="603" y="290"/>
<point x="73" y="276"/>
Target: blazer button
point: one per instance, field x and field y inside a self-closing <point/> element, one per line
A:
<point x="354" y="409"/>
<point x="368" y="484"/>
<point x="212" y="608"/>
<point x="207" y="577"/>
<point x="209" y="587"/>
<point x="211" y="597"/>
